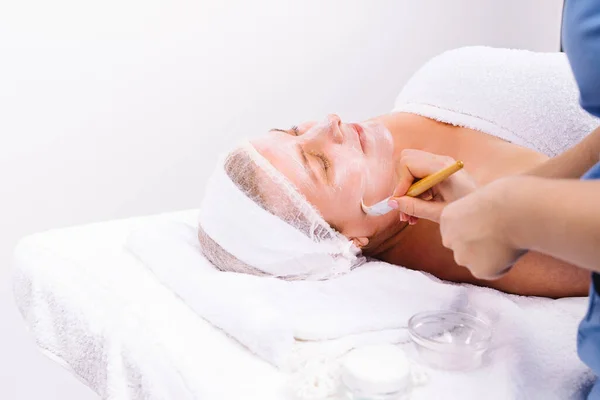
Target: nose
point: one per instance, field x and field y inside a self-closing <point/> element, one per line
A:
<point x="336" y="131"/>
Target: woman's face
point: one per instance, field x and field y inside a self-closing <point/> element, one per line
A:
<point x="335" y="165"/>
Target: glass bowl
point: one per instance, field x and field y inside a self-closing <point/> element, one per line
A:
<point x="449" y="340"/>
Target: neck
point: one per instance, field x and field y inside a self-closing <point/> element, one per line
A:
<point x="385" y="239"/>
<point x="411" y="131"/>
<point x="485" y="158"/>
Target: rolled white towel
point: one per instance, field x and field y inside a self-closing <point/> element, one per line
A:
<point x="528" y="98"/>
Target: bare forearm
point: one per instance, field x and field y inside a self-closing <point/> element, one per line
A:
<point x="536" y="274"/>
<point x="560" y="218"/>
<point x="572" y="163"/>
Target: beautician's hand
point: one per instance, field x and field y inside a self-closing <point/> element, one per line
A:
<point x="477" y="228"/>
<point x="416" y="164"/>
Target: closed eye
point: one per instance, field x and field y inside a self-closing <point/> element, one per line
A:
<point x="292" y="131"/>
<point x="325" y="166"/>
<point x="324" y="162"/>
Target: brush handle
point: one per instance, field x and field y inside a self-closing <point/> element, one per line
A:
<point x="422" y="185"/>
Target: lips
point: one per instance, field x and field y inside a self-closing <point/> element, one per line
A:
<point x="360" y="132"/>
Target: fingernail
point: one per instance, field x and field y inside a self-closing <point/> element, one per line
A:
<point x="393" y="204"/>
<point x="402" y="217"/>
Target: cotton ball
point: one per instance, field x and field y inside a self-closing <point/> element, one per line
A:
<point x="317" y="379"/>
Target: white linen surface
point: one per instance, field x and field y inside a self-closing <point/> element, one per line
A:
<point x="294" y="323"/>
<point x="96" y="310"/>
<point x="102" y="314"/>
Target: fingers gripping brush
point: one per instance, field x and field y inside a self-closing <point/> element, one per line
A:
<point x="416" y="189"/>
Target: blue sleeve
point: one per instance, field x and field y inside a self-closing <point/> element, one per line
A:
<point x="581" y="42"/>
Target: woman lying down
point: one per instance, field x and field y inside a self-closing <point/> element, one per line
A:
<point x="288" y="204"/>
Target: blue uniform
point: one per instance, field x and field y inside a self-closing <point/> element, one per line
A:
<point x="581" y="42"/>
<point x="588" y="337"/>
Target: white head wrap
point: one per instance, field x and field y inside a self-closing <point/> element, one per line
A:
<point x="283" y="235"/>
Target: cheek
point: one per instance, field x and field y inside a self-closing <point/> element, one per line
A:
<point x="350" y="182"/>
<point x="380" y="177"/>
<point x="349" y="167"/>
<point x="350" y="194"/>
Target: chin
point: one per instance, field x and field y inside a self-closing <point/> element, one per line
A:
<point x="383" y="146"/>
<point x="381" y="133"/>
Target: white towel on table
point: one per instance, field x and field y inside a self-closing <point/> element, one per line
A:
<point x="282" y="320"/>
<point x="528" y="98"/>
<point x="291" y="324"/>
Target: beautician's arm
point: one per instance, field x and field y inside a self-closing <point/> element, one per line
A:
<point x="533" y="274"/>
<point x="488" y="229"/>
<point x="574" y="162"/>
<point x="560" y="218"/>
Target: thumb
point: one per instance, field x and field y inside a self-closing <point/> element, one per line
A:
<point x="419" y="208"/>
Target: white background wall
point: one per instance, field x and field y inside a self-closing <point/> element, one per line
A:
<point x="111" y="109"/>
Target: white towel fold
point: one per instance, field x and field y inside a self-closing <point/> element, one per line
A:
<point x="292" y="324"/>
<point x="276" y="318"/>
<point x="530" y="99"/>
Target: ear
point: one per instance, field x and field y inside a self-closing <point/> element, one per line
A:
<point x="360" y="242"/>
